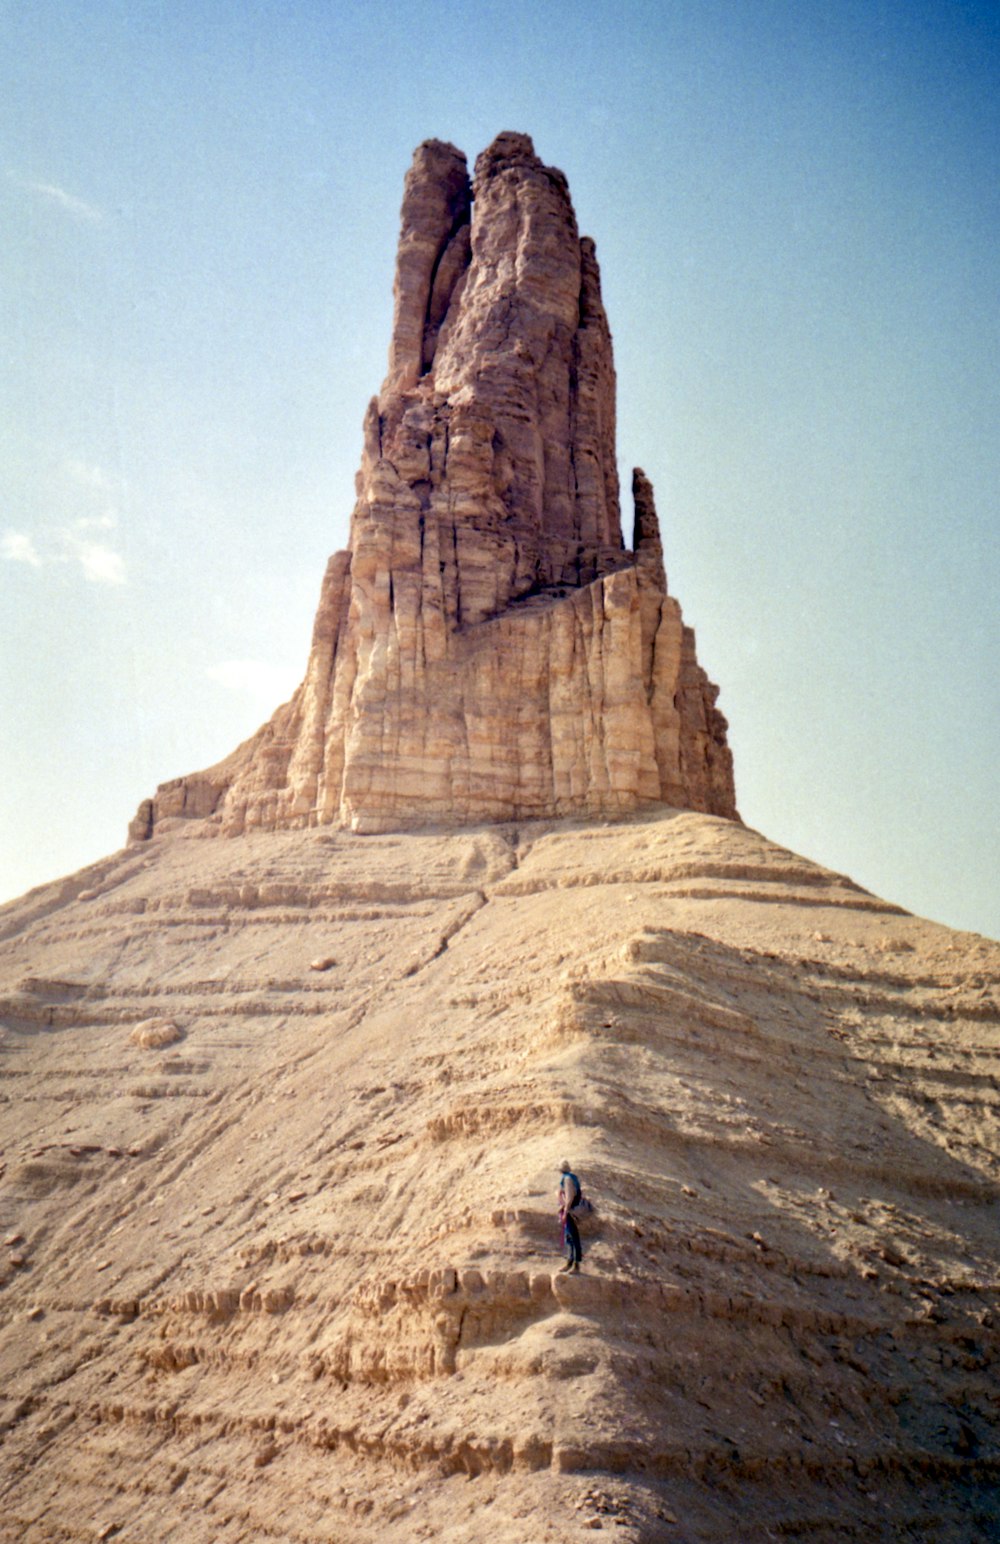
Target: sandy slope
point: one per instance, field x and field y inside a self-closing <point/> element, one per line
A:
<point x="293" y="1276"/>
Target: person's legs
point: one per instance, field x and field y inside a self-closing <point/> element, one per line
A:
<point x="574" y="1251"/>
<point x="567" y="1248"/>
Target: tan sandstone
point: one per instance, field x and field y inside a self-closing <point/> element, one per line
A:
<point x="297" y="1277"/>
<point x="488" y="648"/>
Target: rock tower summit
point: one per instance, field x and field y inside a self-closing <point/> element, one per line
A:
<point x="487" y="648"/>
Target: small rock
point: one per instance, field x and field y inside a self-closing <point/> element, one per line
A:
<point x="323" y="963"/>
<point x="14" y="1238"/>
<point x="18" y="1260"/>
<point x="153" y="1033"/>
<point x="265" y="1456"/>
<point x="103" y="1265"/>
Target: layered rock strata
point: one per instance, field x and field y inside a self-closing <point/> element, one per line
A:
<point x="487" y="648"/>
<point x="282" y="1122"/>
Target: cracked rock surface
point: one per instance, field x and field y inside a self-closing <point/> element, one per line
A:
<point x="487" y="648"/>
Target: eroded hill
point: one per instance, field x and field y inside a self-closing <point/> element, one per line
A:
<point x="281" y="1125"/>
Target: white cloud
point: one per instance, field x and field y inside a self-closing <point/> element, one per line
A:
<point x="268" y="683"/>
<point x="18" y="548"/>
<point x="105" y="522"/>
<point x="78" y="208"/>
<point x="88" y="475"/>
<point x="98" y="560"/>
<point x="100" y="564"/>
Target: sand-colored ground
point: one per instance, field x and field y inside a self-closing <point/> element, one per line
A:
<point x="280" y="1254"/>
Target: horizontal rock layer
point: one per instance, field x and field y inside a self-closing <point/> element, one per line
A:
<point x="291" y="1269"/>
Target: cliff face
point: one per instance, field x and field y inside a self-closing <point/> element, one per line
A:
<point x="487" y="648"/>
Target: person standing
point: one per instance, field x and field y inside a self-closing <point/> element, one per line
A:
<point x="570" y="1196"/>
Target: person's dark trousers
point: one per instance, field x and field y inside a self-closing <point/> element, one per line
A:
<point x="571" y="1239"/>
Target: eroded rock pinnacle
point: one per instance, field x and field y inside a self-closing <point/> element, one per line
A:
<point x="487" y="648"/>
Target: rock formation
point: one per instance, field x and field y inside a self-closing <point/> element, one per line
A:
<point x="295" y="1276"/>
<point x="281" y="1119"/>
<point x="487" y="649"/>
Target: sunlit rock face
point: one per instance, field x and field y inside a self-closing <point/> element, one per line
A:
<point x="487" y="648"/>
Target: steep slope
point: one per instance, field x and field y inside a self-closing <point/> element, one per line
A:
<point x="282" y="1117"/>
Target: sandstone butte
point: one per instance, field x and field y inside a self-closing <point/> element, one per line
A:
<point x="281" y="1115"/>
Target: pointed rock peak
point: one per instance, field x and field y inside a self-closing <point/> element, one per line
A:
<point x="646" y="542"/>
<point x="514" y="154"/>
<point x="438" y="150"/>
<point x="507" y="150"/>
<point x="488" y="649"/>
<point x="645" y="506"/>
<point x="433" y="250"/>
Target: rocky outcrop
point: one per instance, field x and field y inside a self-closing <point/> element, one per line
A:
<point x="488" y="648"/>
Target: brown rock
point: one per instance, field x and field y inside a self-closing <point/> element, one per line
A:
<point x="152" y="1034"/>
<point x="488" y="648"/>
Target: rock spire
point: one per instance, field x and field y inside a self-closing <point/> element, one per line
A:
<point x="487" y="648"/>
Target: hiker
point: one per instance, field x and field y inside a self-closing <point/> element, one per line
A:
<point x="570" y="1197"/>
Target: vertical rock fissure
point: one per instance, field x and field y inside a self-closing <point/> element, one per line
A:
<point x="453" y="258"/>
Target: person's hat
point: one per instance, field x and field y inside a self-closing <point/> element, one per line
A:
<point x="565" y="1167"/>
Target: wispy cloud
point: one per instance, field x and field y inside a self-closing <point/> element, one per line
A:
<point x="100" y="564"/>
<point x="16" y="547"/>
<point x="58" y="198"/>
<point x="270" y="684"/>
<point x="88" y="475"/>
<point x="98" y="559"/>
<point x="85" y="543"/>
<point x="88" y="540"/>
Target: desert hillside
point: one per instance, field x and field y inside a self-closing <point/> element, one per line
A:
<point x="282" y="1118"/>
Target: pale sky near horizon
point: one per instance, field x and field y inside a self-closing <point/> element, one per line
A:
<point x="796" y="213"/>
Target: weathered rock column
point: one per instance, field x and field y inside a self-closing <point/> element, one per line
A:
<point x="487" y="648"/>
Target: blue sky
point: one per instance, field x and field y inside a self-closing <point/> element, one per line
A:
<point x="796" y="213"/>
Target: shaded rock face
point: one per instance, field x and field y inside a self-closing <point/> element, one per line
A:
<point x="488" y="648"/>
